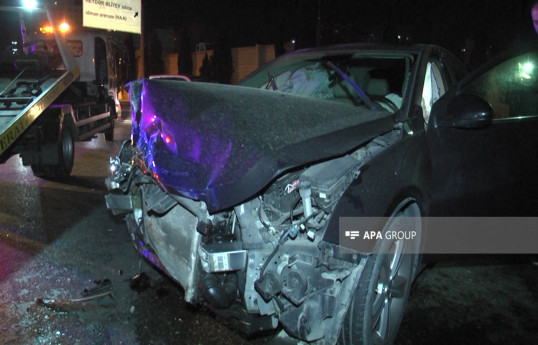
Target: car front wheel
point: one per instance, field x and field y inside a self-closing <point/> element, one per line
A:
<point x="376" y="311"/>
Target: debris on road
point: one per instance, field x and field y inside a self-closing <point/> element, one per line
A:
<point x="101" y="286"/>
<point x="102" y="289"/>
<point x="140" y="282"/>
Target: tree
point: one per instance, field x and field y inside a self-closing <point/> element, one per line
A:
<point x="222" y="59"/>
<point x="206" y="71"/>
<point x="155" y="63"/>
<point x="130" y="63"/>
<point x="184" y="58"/>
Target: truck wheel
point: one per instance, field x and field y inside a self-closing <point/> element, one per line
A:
<point x="66" y="158"/>
<point x="376" y="311"/>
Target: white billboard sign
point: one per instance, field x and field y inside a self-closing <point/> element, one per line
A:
<point x="119" y="15"/>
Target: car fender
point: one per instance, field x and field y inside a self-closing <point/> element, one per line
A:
<point x="399" y="174"/>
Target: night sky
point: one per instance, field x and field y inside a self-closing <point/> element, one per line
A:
<point x="495" y="24"/>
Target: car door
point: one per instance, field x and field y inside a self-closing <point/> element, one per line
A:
<point x="483" y="141"/>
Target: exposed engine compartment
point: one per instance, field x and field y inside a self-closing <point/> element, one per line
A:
<point x="262" y="262"/>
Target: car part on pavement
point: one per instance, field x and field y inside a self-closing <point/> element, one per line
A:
<point x="102" y="289"/>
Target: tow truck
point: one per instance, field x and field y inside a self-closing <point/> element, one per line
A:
<point x="54" y="90"/>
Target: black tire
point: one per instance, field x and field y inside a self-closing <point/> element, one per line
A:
<point x="376" y="311"/>
<point x="66" y="158"/>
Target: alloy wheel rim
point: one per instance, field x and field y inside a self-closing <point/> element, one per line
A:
<point x="393" y="281"/>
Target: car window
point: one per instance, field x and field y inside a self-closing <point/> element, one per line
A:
<point x="510" y="88"/>
<point x="380" y="75"/>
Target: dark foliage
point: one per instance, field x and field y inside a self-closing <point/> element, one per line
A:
<point x="222" y="60"/>
<point x="206" y="71"/>
<point x="154" y="62"/>
<point x="184" y="58"/>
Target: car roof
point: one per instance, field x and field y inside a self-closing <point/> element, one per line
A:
<point x="350" y="47"/>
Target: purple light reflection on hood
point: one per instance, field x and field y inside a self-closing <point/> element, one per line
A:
<point x="192" y="161"/>
<point x="229" y="142"/>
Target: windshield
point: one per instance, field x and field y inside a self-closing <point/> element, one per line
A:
<point x="351" y="78"/>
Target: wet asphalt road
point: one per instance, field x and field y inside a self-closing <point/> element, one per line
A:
<point x="57" y="239"/>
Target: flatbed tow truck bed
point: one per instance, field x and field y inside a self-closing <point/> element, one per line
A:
<point x="14" y="122"/>
<point x="45" y="104"/>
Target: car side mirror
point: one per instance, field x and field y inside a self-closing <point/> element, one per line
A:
<point x="466" y="111"/>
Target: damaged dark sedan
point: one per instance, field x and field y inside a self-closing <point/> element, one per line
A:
<point x="236" y="192"/>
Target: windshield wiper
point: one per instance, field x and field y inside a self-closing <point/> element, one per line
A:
<point x="362" y="95"/>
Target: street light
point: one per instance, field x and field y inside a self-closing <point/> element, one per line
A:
<point x="526" y="70"/>
<point x="29" y="4"/>
<point x="64" y="27"/>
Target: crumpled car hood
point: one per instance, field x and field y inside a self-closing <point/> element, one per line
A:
<point x="222" y="144"/>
